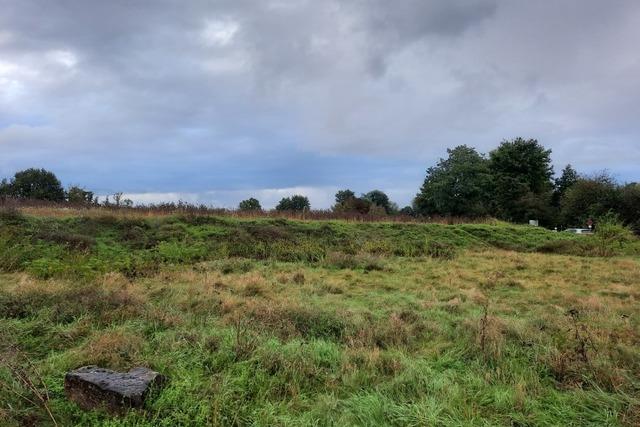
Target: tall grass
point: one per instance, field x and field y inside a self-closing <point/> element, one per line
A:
<point x="66" y="209"/>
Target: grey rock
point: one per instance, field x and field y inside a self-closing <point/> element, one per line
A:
<point x="94" y="387"/>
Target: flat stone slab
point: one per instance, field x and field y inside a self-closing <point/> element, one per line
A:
<point x="94" y="387"/>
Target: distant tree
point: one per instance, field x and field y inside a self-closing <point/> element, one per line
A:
<point x="346" y="201"/>
<point x="79" y="195"/>
<point x="5" y="188"/>
<point x="354" y="205"/>
<point x="117" y="198"/>
<point x="590" y="197"/>
<point x="119" y="201"/>
<point x="344" y="196"/>
<point x="379" y="198"/>
<point x="457" y="186"/>
<point x="250" y="204"/>
<point x="407" y="210"/>
<point x="521" y="174"/>
<point x="284" y="204"/>
<point x="568" y="177"/>
<point x="294" y="203"/>
<point x="37" y="184"/>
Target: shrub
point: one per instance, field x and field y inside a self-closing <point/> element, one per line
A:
<point x="45" y="268"/>
<point x="611" y="236"/>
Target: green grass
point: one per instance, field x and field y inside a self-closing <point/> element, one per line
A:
<point x="87" y="247"/>
<point x="271" y="322"/>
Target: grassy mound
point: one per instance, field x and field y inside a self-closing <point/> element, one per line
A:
<point x="85" y="247"/>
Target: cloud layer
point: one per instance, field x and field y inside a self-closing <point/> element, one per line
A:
<point x="214" y="100"/>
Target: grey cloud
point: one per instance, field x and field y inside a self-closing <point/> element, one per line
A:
<point x="188" y="86"/>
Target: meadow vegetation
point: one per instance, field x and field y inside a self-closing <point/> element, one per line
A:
<point x="279" y="322"/>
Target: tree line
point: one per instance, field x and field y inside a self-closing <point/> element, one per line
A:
<point x="515" y="182"/>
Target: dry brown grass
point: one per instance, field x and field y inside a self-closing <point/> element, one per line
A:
<point x="117" y="349"/>
<point x="44" y="209"/>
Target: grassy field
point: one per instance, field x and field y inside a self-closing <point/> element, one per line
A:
<point x="274" y="322"/>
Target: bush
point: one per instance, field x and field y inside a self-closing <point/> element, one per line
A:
<point x="45" y="268"/>
<point x="611" y="237"/>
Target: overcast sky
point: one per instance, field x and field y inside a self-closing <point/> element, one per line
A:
<point x="215" y="101"/>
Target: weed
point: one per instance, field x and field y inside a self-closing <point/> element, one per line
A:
<point x="25" y="381"/>
<point x="489" y="334"/>
<point x="245" y="341"/>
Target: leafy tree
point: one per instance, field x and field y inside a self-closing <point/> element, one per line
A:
<point x="457" y="186"/>
<point x="250" y="204"/>
<point x="590" y="197"/>
<point x="379" y="198"/>
<point x="630" y="206"/>
<point x="521" y="172"/>
<point x="568" y="177"/>
<point x="346" y="201"/>
<point x="294" y="203"/>
<point x="344" y="196"/>
<point x="36" y="184"/>
<point x="356" y="204"/>
<point x="79" y="195"/>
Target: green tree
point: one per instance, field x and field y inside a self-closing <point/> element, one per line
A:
<point x="590" y="197"/>
<point x="343" y="196"/>
<point x="346" y="201"/>
<point x="630" y="206"/>
<point x="79" y="195"/>
<point x="458" y="185"/>
<point x="521" y="174"/>
<point x="568" y="177"/>
<point x="294" y="203"/>
<point x="250" y="204"/>
<point x="380" y="199"/>
<point x="37" y="184"/>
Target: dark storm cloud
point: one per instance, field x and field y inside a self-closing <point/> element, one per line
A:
<point x="188" y="97"/>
